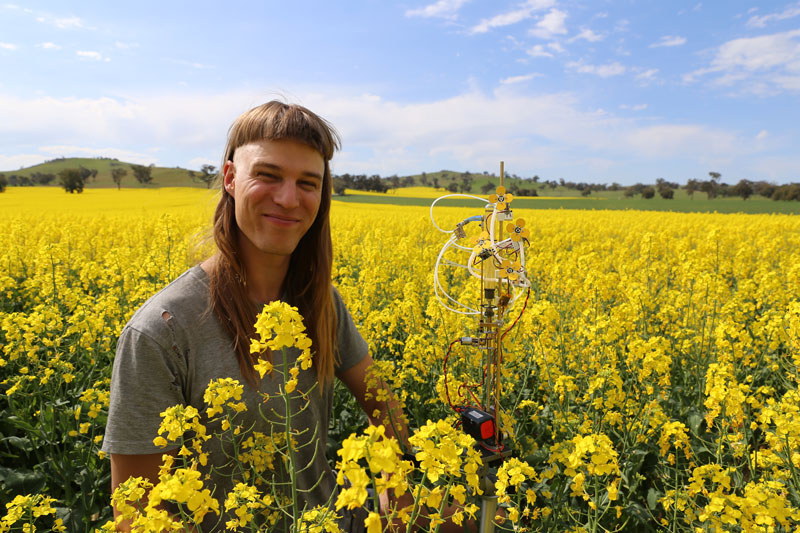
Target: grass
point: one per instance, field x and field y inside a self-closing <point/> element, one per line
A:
<point x="556" y="198"/>
<point x="614" y="200"/>
<point x="162" y="176"/>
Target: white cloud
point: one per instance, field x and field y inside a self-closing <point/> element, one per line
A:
<point x="91" y="54"/>
<point x="635" y="107"/>
<point x="604" y="71"/>
<point x="62" y="23"/>
<point x="518" y="79"/>
<point x="656" y="141"/>
<point x="538" y="50"/>
<point x="646" y="77"/>
<point x="759" y="65"/>
<point x="550" y="25"/>
<point x="198" y="162"/>
<point x="669" y="40"/>
<point x="447" y="9"/>
<point x="16" y="161"/>
<point x="791" y="11"/>
<point x="555" y="47"/>
<point x="7" y="46"/>
<point x="549" y="134"/>
<point x="588" y="35"/>
<point x="192" y="64"/>
<point x="49" y="46"/>
<point x="125" y="46"/>
<point x="512" y="17"/>
<point x="762" y="135"/>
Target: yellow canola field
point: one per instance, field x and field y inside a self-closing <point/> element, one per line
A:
<point x="651" y="381"/>
<point x="432" y="194"/>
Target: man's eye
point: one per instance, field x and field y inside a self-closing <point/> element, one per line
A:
<point x="309" y="185"/>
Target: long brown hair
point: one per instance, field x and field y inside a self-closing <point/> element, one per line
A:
<point x="308" y="281"/>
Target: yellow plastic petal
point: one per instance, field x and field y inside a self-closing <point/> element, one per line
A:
<point x="493" y="199"/>
<point x="501" y="206"/>
<point x="500" y="190"/>
<point x="521" y="222"/>
<point x="509" y="197"/>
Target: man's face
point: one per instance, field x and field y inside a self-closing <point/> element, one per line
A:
<point x="277" y="188"/>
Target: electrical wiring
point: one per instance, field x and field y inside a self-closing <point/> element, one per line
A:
<point x="498" y="262"/>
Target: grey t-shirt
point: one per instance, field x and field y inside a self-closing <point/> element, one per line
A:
<point x="173" y="347"/>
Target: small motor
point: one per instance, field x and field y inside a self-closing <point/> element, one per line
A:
<point x="478" y="424"/>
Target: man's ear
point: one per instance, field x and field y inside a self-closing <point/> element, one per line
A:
<point x="228" y="173"/>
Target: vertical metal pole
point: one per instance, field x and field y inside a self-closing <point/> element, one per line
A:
<point x="488" y="511"/>
<point x="498" y="347"/>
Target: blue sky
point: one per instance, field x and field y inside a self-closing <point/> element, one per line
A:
<point x="624" y="91"/>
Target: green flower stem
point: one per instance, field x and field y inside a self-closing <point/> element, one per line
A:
<point x="288" y="433"/>
<point x="415" y="512"/>
<point x="444" y="502"/>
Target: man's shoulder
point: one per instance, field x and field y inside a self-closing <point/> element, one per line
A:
<point x="185" y="298"/>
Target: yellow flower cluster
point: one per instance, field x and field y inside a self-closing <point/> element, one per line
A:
<point x="25" y="509"/>
<point x="383" y="466"/>
<point x="279" y="326"/>
<point x="652" y="345"/>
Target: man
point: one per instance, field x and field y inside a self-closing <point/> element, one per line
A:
<point x="272" y="231"/>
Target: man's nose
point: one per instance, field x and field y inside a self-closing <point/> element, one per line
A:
<point x="286" y="195"/>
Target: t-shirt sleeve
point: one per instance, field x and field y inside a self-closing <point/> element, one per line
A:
<point x="351" y="346"/>
<point x="145" y="381"/>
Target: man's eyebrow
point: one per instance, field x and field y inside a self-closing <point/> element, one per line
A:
<point x="273" y="166"/>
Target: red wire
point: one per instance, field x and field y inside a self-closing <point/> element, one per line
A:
<point x="524" y="305"/>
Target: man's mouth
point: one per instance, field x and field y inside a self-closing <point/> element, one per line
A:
<point x="281" y="219"/>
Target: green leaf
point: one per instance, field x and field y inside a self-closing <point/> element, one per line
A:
<point x="652" y="499"/>
<point x="22" y="481"/>
<point x="21" y="443"/>
<point x="695" y="420"/>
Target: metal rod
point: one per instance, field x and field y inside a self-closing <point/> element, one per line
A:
<point x="488" y="512"/>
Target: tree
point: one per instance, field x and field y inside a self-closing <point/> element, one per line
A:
<point x="648" y="192"/>
<point x="117" y="173"/>
<point x="339" y="186"/>
<point x="208" y="173"/>
<point x="711" y="186"/>
<point x="72" y="179"/>
<point x="486" y="187"/>
<point x="691" y="187"/>
<point x="142" y="173"/>
<point x="666" y="193"/>
<point x="744" y="189"/>
<point x="3" y="182"/>
<point x="466" y="182"/>
<point x="452" y="186"/>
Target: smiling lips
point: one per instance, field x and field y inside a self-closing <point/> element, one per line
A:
<point x="281" y="220"/>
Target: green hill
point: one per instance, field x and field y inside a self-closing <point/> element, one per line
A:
<point x="162" y="176"/>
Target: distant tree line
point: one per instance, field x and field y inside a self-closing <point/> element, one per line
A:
<point x="75" y="179"/>
<point x="374" y="183"/>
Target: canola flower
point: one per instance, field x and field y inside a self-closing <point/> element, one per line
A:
<point x="669" y="342"/>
